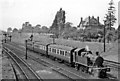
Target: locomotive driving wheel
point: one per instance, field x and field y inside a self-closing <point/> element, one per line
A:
<point x="82" y="68"/>
<point x="76" y="66"/>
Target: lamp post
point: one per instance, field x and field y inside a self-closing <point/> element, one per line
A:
<point x="104" y="34"/>
<point x="32" y="34"/>
<point x="26" y="49"/>
<point x="5" y="36"/>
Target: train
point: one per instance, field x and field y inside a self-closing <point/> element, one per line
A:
<point x="72" y="56"/>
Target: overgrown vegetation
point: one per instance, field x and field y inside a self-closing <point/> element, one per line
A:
<point x="61" y="28"/>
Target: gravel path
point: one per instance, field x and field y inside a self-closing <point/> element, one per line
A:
<point x="7" y="71"/>
<point x="0" y="64"/>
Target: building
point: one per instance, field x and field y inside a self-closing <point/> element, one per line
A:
<point x="89" y="22"/>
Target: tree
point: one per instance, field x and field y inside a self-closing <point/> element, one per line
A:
<point x="68" y="25"/>
<point x="38" y="25"/>
<point x="20" y="31"/>
<point x="110" y="18"/>
<point x="23" y="25"/>
<point x="9" y="29"/>
<point x="58" y="23"/>
<point x="44" y="29"/>
<point x="15" y="30"/>
<point x="109" y="36"/>
<point x="118" y="32"/>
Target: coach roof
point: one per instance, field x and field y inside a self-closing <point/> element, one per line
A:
<point x="63" y="47"/>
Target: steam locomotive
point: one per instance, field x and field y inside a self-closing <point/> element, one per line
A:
<point x="72" y="56"/>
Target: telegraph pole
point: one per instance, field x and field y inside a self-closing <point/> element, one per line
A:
<point x="26" y="49"/>
<point x="104" y="37"/>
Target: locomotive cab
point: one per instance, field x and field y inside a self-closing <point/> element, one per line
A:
<point x="80" y="59"/>
<point x="86" y="64"/>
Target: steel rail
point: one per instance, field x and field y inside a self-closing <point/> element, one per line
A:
<point x="112" y="64"/>
<point x="26" y="77"/>
<point x="109" y="63"/>
<point x="58" y="67"/>
<point x="56" y="70"/>
<point x="36" y="76"/>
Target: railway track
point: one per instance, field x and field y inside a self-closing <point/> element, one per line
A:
<point x="112" y="64"/>
<point x="109" y="63"/>
<point x="69" y="75"/>
<point x="26" y="70"/>
<point x="57" y="69"/>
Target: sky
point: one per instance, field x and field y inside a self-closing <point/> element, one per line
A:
<point x="13" y="13"/>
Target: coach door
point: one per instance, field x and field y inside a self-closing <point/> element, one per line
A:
<point x="71" y="55"/>
<point x="74" y="56"/>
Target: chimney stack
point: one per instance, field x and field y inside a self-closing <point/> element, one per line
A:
<point x="92" y="17"/>
<point x="81" y="19"/>
<point x="98" y="20"/>
<point x="89" y="20"/>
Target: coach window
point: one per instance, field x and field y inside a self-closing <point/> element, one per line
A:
<point x="53" y="50"/>
<point x="61" y="52"/>
<point x="57" y="51"/>
<point x="66" y="52"/>
<point x="50" y="49"/>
